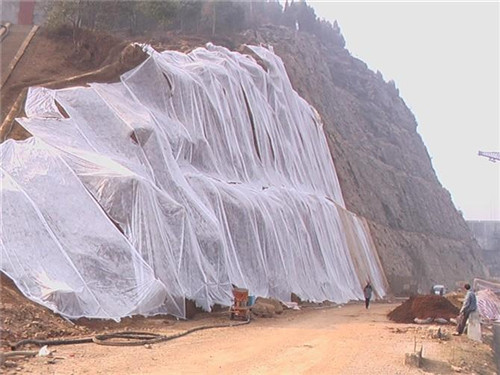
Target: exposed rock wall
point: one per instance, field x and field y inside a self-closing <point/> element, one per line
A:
<point x="487" y="234"/>
<point x="383" y="166"/>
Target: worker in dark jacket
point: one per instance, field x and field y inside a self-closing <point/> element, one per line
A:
<point x="469" y="305"/>
<point x="368" y="290"/>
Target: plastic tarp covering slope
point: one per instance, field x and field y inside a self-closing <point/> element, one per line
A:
<point x="488" y="299"/>
<point x="216" y="173"/>
<point x="68" y="256"/>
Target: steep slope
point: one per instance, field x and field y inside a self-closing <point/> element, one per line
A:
<point x="383" y="166"/>
<point x="192" y="174"/>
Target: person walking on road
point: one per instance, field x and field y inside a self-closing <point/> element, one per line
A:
<point x="368" y="290"/>
<point x="469" y="305"/>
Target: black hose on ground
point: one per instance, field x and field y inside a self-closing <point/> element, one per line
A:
<point x="16" y="355"/>
<point x="132" y="338"/>
<point x="40" y="343"/>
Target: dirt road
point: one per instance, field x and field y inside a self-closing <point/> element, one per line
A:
<point x="10" y="45"/>
<point x="345" y="340"/>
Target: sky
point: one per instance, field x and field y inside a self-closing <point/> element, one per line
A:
<point x="444" y="59"/>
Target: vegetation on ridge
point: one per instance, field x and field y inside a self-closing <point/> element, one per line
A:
<point x="187" y="16"/>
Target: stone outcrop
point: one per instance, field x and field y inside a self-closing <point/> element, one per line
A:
<point x="487" y="234"/>
<point x="383" y="166"/>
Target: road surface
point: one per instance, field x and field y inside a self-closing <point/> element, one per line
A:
<point x="345" y="340"/>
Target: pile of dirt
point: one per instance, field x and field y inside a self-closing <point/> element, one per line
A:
<point x="455" y="298"/>
<point x="423" y="307"/>
<point x="22" y="318"/>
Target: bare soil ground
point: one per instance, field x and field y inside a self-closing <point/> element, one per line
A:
<point x="328" y="340"/>
<point x="10" y="45"/>
<point x="323" y="339"/>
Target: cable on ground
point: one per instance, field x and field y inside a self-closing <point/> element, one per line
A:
<point x="123" y="338"/>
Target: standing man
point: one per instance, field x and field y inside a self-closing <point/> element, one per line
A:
<point x="368" y="293"/>
<point x="469" y="306"/>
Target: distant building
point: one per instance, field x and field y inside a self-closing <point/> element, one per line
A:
<point x="487" y="234"/>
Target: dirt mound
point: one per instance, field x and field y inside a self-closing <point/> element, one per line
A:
<point x="455" y="298"/>
<point x="423" y="307"/>
<point x="22" y="318"/>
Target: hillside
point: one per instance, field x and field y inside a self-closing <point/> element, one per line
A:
<point x="382" y="164"/>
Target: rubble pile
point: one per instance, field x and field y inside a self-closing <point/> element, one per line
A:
<point x="456" y="298"/>
<point x="21" y="319"/>
<point x="423" y="307"/>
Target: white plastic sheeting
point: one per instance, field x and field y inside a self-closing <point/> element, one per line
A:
<point x="212" y="172"/>
<point x="488" y="299"/>
<point x="60" y="247"/>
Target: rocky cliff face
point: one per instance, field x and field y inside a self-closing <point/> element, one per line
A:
<point x="487" y="234"/>
<point x="383" y="166"/>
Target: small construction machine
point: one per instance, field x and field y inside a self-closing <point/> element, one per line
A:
<point x="241" y="308"/>
<point x="439" y="290"/>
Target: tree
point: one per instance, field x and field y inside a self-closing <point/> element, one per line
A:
<point x="76" y="14"/>
<point x="164" y="12"/>
<point x="261" y="12"/>
<point x="114" y="15"/>
<point x="190" y="15"/>
<point x="306" y="17"/>
<point x="290" y="15"/>
<point x="329" y="33"/>
<point x="222" y="16"/>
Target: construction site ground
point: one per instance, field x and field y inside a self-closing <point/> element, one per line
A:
<point x="328" y="340"/>
<point x="317" y="339"/>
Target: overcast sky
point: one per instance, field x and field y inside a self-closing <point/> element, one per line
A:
<point x="444" y="58"/>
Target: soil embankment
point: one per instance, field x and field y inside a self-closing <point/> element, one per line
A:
<point x="22" y="318"/>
